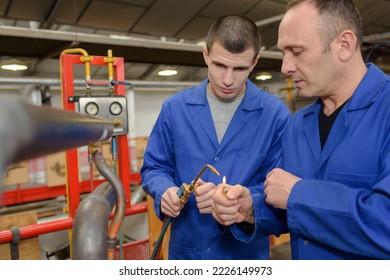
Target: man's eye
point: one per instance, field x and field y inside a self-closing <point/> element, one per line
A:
<point x="296" y="52"/>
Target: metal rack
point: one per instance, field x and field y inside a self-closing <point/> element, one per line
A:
<point x="74" y="187"/>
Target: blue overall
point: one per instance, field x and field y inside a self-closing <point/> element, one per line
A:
<point x="183" y="140"/>
<point x="341" y="208"/>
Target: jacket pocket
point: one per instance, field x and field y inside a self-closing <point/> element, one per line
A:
<point x="354" y="180"/>
<point x="182" y="253"/>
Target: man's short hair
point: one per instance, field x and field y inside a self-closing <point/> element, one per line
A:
<point x="235" y="33"/>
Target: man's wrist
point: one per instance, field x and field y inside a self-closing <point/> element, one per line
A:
<point x="250" y="216"/>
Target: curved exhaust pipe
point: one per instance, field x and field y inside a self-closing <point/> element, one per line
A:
<point x="90" y="225"/>
<point x="28" y="131"/>
<point x="91" y="239"/>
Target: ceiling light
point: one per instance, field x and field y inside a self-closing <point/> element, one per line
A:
<point x="13" y="65"/>
<point x="263" y="76"/>
<point x="202" y="43"/>
<point x="167" y="72"/>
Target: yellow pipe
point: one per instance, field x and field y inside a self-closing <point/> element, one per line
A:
<point x="85" y="58"/>
<point x="289" y="92"/>
<point x="110" y="60"/>
<point x="289" y="89"/>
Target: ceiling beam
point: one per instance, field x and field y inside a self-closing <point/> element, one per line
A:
<point x="112" y="40"/>
<point x="52" y="15"/>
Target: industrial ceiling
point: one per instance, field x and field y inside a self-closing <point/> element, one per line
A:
<point x="148" y="34"/>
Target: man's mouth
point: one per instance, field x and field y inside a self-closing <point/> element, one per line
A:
<point x="298" y="83"/>
<point x="226" y="90"/>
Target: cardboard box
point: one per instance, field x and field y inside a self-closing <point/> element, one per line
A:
<point x="16" y="173"/>
<point x="56" y="169"/>
<point x="28" y="248"/>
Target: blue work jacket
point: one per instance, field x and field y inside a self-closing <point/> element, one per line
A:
<point x="184" y="139"/>
<point x="341" y="208"/>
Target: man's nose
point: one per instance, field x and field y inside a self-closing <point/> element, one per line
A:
<point x="228" y="78"/>
<point x="287" y="66"/>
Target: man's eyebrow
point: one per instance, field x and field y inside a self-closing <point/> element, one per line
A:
<point x="215" y="62"/>
<point x="291" y="46"/>
<point x="241" y="67"/>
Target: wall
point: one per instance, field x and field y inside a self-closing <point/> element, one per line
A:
<point x="147" y="107"/>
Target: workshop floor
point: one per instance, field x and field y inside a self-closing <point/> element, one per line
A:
<point x="281" y="251"/>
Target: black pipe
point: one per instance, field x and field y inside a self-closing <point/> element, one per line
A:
<point x="28" y="131"/>
<point x="51" y="130"/>
<point x="89" y="236"/>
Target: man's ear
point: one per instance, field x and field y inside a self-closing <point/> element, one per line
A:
<point x="205" y="55"/>
<point x="348" y="44"/>
<point x="255" y="61"/>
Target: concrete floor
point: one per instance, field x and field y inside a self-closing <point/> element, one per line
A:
<point x="281" y="251"/>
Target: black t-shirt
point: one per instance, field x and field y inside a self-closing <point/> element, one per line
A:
<point x="326" y="122"/>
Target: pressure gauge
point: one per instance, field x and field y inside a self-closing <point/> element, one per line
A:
<point x="91" y="108"/>
<point x="115" y="108"/>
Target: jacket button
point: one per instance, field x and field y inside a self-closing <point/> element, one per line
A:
<point x="208" y="250"/>
<point x="306" y="242"/>
<point x="216" y="158"/>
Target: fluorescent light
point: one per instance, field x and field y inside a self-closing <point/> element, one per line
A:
<point x="202" y="43"/>
<point x="14" y="65"/>
<point x="263" y="76"/>
<point x="167" y="72"/>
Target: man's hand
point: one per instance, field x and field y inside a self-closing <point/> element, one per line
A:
<point x="170" y="202"/>
<point x="277" y="187"/>
<point x="232" y="204"/>
<point x="204" y="196"/>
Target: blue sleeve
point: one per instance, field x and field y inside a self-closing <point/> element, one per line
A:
<point x="268" y="220"/>
<point x="158" y="167"/>
<point x="351" y="219"/>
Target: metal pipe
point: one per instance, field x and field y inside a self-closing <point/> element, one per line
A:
<point x="137" y="196"/>
<point x="28" y="131"/>
<point x="91" y="240"/>
<point x="120" y="206"/>
<point x="47" y="227"/>
<point x="89" y="236"/>
<point x="37" y="229"/>
<point x="85" y="58"/>
<point x="79" y="82"/>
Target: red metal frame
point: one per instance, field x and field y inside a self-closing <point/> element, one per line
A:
<point x="37" y="193"/>
<point x="73" y="185"/>
<point x="38" y="229"/>
<point x="74" y="188"/>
